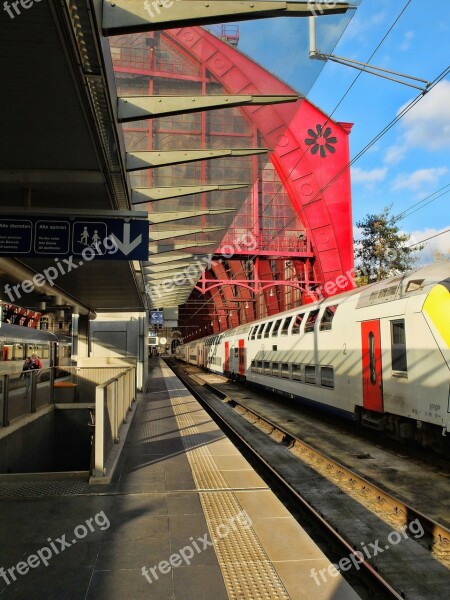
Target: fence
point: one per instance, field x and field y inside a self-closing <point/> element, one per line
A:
<point x="113" y="399"/>
<point x="113" y="390"/>
<point x="24" y="393"/>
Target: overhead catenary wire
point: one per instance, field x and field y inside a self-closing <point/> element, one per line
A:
<point x="428" y="238"/>
<point x="374" y="140"/>
<point x="330" y="116"/>
<point x="327" y="120"/>
<point x="385" y="130"/>
<point x="404" y="215"/>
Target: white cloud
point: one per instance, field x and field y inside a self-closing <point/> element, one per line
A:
<point x="360" y="27"/>
<point x="427" y="125"/>
<point x="395" y="154"/>
<point x="440" y="243"/>
<point x="418" y="179"/>
<point x="368" y="177"/>
<point x="407" y="39"/>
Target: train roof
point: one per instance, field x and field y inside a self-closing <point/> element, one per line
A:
<point x="418" y="281"/>
<point x="18" y="333"/>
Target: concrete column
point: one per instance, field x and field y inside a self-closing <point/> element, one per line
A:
<point x="80" y="337"/>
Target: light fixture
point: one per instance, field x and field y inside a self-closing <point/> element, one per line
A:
<point x="271" y="294"/>
<point x="247" y="305"/>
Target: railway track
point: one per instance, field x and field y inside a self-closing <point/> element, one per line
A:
<point x="394" y="511"/>
<point x="432" y="552"/>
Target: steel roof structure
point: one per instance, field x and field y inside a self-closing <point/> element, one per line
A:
<point x="63" y="147"/>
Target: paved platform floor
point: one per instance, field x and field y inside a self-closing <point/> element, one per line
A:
<point x="185" y="517"/>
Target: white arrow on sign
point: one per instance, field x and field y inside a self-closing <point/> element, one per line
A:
<point x="126" y="246"/>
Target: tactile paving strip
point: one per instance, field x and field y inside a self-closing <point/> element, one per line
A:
<point x="247" y="571"/>
<point x="37" y="488"/>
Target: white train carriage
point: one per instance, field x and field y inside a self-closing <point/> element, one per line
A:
<point x="17" y="342"/>
<point x="378" y="354"/>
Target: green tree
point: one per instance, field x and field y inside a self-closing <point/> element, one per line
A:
<point x="382" y="250"/>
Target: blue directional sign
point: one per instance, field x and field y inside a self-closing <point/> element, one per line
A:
<point x="84" y="238"/>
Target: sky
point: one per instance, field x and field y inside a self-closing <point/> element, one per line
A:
<point x="412" y="160"/>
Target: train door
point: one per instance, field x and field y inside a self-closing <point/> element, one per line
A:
<point x="227" y="357"/>
<point x="371" y="366"/>
<point x="242" y="358"/>
<point x="199" y="356"/>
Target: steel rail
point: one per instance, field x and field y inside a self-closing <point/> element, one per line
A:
<point x="292" y="492"/>
<point x="345" y="478"/>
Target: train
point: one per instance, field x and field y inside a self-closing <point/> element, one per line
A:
<point x="378" y="355"/>
<point x="17" y="342"/>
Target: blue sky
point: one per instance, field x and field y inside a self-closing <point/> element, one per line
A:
<point x="412" y="160"/>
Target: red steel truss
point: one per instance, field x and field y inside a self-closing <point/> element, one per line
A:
<point x="296" y="219"/>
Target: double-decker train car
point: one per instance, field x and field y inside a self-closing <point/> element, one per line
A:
<point x="379" y="354"/>
<point x="16" y="343"/>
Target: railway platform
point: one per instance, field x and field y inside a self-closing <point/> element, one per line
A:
<point x="185" y="516"/>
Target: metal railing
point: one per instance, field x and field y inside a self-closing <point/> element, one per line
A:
<point x="23" y="394"/>
<point x="113" y="399"/>
<point x="87" y="378"/>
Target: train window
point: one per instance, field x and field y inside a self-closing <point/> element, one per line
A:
<point x="310" y="374"/>
<point x="398" y="348"/>
<point x="297" y="324"/>
<point x="267" y="329"/>
<point x="285" y="370"/>
<point x="297" y="372"/>
<point x="276" y="327"/>
<point x="285" y="328"/>
<point x="253" y="367"/>
<point x="275" y="369"/>
<point x="260" y="330"/>
<point x="414" y="286"/>
<point x="260" y="366"/>
<point x="327" y="377"/>
<point x="388" y="292"/>
<point x="267" y="368"/>
<point x="372" y="359"/>
<point x="19" y="352"/>
<point x="311" y="321"/>
<point x="42" y="351"/>
<point x="327" y="318"/>
<point x="253" y="332"/>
